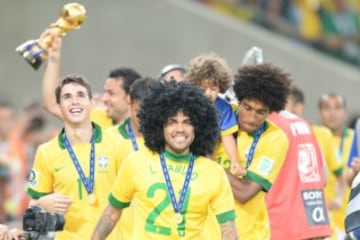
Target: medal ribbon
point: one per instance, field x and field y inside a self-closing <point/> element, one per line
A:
<point x="88" y="184"/>
<point x="341" y="146"/>
<point x="132" y="136"/>
<point x="258" y="133"/>
<point x="177" y="206"/>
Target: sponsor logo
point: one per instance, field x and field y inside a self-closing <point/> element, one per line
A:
<point x="314" y="205"/>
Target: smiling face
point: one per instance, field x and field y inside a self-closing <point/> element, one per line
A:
<point x="115" y="101"/>
<point x="75" y="104"/>
<point x="252" y="113"/>
<point x="179" y="134"/>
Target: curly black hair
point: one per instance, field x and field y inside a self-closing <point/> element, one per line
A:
<point x="168" y="99"/>
<point x="264" y="82"/>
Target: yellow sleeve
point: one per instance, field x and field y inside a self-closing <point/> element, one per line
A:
<point x="40" y="180"/>
<point x="223" y="203"/>
<point x="124" y="185"/>
<point x="324" y="138"/>
<point x="268" y="159"/>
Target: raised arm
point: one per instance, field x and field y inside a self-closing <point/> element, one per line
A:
<point x="106" y="223"/>
<point x="51" y="75"/>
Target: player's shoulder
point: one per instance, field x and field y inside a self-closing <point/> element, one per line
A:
<point x="54" y="144"/>
<point x="209" y="163"/>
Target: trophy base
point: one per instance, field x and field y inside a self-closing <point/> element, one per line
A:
<point x="33" y="53"/>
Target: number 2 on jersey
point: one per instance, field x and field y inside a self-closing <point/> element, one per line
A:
<point x="150" y="220"/>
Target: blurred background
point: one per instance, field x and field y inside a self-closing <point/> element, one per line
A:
<point x="317" y="41"/>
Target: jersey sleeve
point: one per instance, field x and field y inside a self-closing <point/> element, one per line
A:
<point x="228" y="124"/>
<point x="223" y="203"/>
<point x="353" y="150"/>
<point x="40" y="180"/>
<point x="124" y="185"/>
<point x="323" y="136"/>
<point x="268" y="159"/>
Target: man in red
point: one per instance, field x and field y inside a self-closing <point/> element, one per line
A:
<point x="295" y="203"/>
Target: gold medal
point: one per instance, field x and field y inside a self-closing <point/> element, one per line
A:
<point x="178" y="218"/>
<point x="91" y="199"/>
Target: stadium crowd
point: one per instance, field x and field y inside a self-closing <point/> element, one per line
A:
<point x="330" y="26"/>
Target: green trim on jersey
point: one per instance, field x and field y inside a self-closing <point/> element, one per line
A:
<point x="122" y="128"/>
<point x="35" y="194"/>
<point x="226" y="216"/>
<point x="264" y="183"/>
<point x="178" y="158"/>
<point x="266" y="126"/>
<point x="117" y="204"/>
<point x="338" y="171"/>
<point x="97" y="135"/>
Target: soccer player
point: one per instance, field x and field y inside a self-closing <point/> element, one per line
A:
<point x="333" y="167"/>
<point x="296" y="202"/>
<point x="212" y="75"/>
<point x="173" y="186"/>
<point x="73" y="172"/>
<point x="332" y="111"/>
<point x="116" y="88"/>
<point x="260" y="89"/>
<point x="131" y="139"/>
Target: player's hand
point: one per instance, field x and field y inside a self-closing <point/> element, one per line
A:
<point x="4" y="232"/>
<point x="16" y="234"/>
<point x="237" y="170"/>
<point x="53" y="43"/>
<point x="335" y="204"/>
<point x="55" y="203"/>
<point x="355" y="164"/>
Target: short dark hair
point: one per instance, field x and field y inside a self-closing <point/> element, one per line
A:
<point x="164" y="102"/>
<point x="264" y="82"/>
<point x="331" y="95"/>
<point x="72" y="78"/>
<point x="127" y="75"/>
<point x="141" y="88"/>
<point x="297" y="94"/>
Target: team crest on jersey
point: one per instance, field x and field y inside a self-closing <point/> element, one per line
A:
<point x="103" y="161"/>
<point x="265" y="165"/>
<point x="307" y="163"/>
<point x="33" y="177"/>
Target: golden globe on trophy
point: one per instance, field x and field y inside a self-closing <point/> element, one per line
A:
<point x="35" y="51"/>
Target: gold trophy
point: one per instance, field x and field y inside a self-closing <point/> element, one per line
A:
<point x="35" y="51"/>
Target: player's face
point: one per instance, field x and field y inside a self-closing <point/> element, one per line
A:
<point x="75" y="104"/>
<point x="210" y="90"/>
<point x="179" y="134"/>
<point x="252" y="113"/>
<point x="114" y="98"/>
<point x="294" y="107"/>
<point x="134" y="109"/>
<point x="332" y="112"/>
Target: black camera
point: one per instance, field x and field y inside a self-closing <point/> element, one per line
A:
<point x="38" y="224"/>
